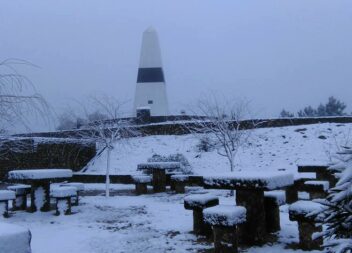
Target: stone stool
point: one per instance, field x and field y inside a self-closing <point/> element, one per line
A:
<point x="178" y="183"/>
<point x="317" y="189"/>
<point x="224" y="220"/>
<point x="21" y="191"/>
<point x="63" y="196"/>
<point x="306" y="213"/>
<point x="79" y="187"/>
<point x="141" y="183"/>
<point x="197" y="203"/>
<point x="272" y="202"/>
<point x="5" y="197"/>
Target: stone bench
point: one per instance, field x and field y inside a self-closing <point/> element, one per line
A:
<point x="316" y="189"/>
<point x="62" y="196"/>
<point x="14" y="239"/>
<point x="179" y="182"/>
<point x="5" y="197"/>
<point x="79" y="187"/>
<point x="141" y="182"/>
<point x="224" y="220"/>
<point x="272" y="202"/>
<point x="21" y="191"/>
<point x="306" y="213"/>
<point x="197" y="203"/>
<point x="323" y="172"/>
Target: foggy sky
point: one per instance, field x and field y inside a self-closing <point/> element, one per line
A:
<point x="276" y="54"/>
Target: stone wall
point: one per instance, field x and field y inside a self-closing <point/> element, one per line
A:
<point x="33" y="154"/>
<point x="179" y="128"/>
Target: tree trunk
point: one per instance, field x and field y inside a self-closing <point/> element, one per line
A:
<point x="107" y="182"/>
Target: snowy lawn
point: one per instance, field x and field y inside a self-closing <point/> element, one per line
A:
<point x="269" y="149"/>
<point x="128" y="223"/>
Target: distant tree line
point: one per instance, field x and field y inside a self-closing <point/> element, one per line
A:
<point x="333" y="107"/>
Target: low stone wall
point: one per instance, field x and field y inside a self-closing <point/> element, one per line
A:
<point x="72" y="154"/>
<point x="93" y="178"/>
<point x="180" y="128"/>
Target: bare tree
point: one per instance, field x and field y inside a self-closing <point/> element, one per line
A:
<point x="110" y="132"/>
<point x="19" y="101"/>
<point x="223" y="126"/>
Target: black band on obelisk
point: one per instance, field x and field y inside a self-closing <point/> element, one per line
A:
<point x="150" y="75"/>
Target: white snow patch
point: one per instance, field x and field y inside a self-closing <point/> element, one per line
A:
<point x="225" y="215"/>
<point x="40" y="174"/>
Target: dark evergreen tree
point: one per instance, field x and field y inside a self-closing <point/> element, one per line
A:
<point x="338" y="215"/>
<point x="307" y="112"/>
<point x="286" y="114"/>
<point x="335" y="107"/>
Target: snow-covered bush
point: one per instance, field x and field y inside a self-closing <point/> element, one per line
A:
<point x="338" y="216"/>
<point x="205" y="144"/>
<point x="185" y="166"/>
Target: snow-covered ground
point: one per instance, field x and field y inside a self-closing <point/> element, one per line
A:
<point x="125" y="223"/>
<point x="159" y="222"/>
<point x="270" y="149"/>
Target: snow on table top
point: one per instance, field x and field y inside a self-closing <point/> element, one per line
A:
<point x="7" y="194"/>
<point x="38" y="174"/>
<point x="19" y="187"/>
<point x="199" y="199"/>
<point x="325" y="184"/>
<point x="14" y="239"/>
<point x="63" y="191"/>
<point x="250" y="179"/>
<point x="305" y="207"/>
<point x="225" y="215"/>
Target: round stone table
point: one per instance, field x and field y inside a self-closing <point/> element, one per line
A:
<point x="40" y="180"/>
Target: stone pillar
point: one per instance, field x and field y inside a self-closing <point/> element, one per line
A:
<point x="4" y="208"/>
<point x="20" y="203"/>
<point x="253" y="231"/>
<point x="291" y="194"/>
<point x="180" y="186"/>
<point x="225" y="239"/>
<point x="199" y="226"/>
<point x="272" y="214"/>
<point x="306" y="230"/>
<point x="327" y="176"/>
<point x="40" y="197"/>
<point x="317" y="195"/>
<point x="159" y="180"/>
<point x="63" y="205"/>
<point x="141" y="188"/>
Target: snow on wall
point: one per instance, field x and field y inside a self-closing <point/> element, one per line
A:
<point x="14" y="239"/>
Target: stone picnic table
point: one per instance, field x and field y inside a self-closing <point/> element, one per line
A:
<point x="250" y="187"/>
<point x="323" y="172"/>
<point x="40" y="180"/>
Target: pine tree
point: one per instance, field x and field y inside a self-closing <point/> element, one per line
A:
<point x="286" y="114"/>
<point x="338" y="215"/>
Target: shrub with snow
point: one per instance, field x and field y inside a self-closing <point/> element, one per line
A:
<point x="205" y="144"/>
<point x="338" y="217"/>
<point x="185" y="166"/>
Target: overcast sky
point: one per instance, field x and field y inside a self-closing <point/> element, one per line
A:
<point x="277" y="54"/>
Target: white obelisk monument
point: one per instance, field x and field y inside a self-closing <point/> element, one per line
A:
<point x="150" y="88"/>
